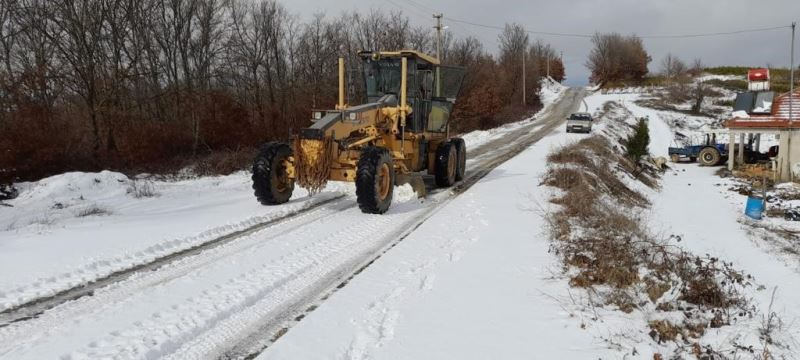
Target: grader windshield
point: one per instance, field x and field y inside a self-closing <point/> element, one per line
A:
<point x="382" y="77"/>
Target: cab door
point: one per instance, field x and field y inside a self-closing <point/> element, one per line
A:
<point x="422" y="104"/>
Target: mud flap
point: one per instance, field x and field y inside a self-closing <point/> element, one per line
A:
<point x="416" y="182"/>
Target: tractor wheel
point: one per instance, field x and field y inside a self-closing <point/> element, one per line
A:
<point x="709" y="156"/>
<point x="675" y="158"/>
<point x="446" y="164"/>
<point x="374" y="180"/>
<point x="271" y="181"/>
<point x="461" y="150"/>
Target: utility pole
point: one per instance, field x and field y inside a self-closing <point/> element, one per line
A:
<point x="791" y="103"/>
<point x="791" y="77"/>
<point x="438" y="28"/>
<point x="548" y="65"/>
<point x="524" y="101"/>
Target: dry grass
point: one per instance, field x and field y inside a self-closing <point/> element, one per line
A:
<point x="93" y="210"/>
<point x="604" y="243"/>
<point x="225" y="162"/>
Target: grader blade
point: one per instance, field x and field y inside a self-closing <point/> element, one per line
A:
<point x="313" y="163"/>
<point x="416" y="182"/>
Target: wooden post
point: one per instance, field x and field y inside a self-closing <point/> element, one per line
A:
<point x="740" y="155"/>
<point x="757" y="147"/>
<point x="731" y="146"/>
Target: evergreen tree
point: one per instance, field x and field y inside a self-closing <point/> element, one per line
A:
<point x="638" y="142"/>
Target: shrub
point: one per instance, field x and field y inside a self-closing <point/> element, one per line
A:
<point x="638" y="142"/>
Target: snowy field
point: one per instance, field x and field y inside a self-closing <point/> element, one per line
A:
<point x="474" y="280"/>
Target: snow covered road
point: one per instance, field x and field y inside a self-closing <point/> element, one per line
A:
<point x="211" y="303"/>
<point x="474" y="282"/>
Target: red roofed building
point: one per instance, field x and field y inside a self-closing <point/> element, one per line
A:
<point x="783" y="119"/>
<point x="778" y="117"/>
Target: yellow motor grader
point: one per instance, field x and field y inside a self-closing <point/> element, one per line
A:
<point x="400" y="130"/>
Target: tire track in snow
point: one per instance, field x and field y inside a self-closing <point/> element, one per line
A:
<point x="376" y="328"/>
<point x="30" y="309"/>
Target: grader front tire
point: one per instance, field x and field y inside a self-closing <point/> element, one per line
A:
<point x="446" y="164"/>
<point x="271" y="181"/>
<point x="374" y="180"/>
<point x="461" y="150"/>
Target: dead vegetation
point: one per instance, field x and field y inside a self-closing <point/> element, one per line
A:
<point x="93" y="210"/>
<point x="606" y="248"/>
<point x="142" y="188"/>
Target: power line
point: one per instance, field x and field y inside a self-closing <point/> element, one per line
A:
<point x="421" y="11"/>
<point x="716" y="33"/>
<point x="419" y="8"/>
<point x="495" y="27"/>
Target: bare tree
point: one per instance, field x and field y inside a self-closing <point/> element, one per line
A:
<point x="140" y="82"/>
<point x="672" y="67"/>
<point x="617" y="58"/>
<point x="700" y="89"/>
<point x="513" y="44"/>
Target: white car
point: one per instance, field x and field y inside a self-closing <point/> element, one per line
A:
<point x="579" y="122"/>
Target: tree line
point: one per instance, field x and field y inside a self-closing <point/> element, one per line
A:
<point x="146" y="85"/>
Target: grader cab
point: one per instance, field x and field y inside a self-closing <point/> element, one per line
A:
<point x="400" y="130"/>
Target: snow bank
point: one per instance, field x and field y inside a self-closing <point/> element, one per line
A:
<point x="707" y="77"/>
<point x="550" y="90"/>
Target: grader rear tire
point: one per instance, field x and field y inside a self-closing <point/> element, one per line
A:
<point x="461" y="150"/>
<point x="271" y="183"/>
<point x="375" y="180"/>
<point x="446" y="164"/>
<point x="709" y="156"/>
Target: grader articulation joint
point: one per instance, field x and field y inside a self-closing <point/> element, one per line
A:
<point x="401" y="129"/>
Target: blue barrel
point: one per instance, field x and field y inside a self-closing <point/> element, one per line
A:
<point x="754" y="208"/>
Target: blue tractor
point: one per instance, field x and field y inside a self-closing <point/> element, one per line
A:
<point x="708" y="151"/>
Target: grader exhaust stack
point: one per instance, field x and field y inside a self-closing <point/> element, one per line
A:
<point x="398" y="131"/>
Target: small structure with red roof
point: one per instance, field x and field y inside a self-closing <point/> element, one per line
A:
<point x="758" y="79"/>
<point x="768" y="114"/>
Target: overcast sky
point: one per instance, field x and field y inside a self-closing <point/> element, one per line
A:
<point x="652" y="17"/>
